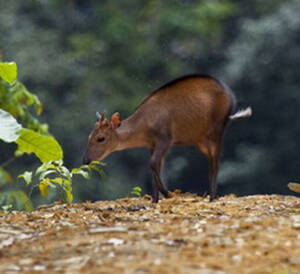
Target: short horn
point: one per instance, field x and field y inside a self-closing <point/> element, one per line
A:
<point x="98" y="116"/>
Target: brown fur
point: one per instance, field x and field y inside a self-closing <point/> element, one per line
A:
<point x="192" y="110"/>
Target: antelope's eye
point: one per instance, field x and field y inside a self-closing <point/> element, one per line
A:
<point x="100" y="139"/>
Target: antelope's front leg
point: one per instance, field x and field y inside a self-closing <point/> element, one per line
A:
<point x="158" y="153"/>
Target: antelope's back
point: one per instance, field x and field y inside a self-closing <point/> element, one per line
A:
<point x="190" y="107"/>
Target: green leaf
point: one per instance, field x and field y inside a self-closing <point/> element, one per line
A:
<point x="58" y="180"/>
<point x="16" y="200"/>
<point x="98" y="163"/>
<point x="26" y="98"/>
<point x="44" y="167"/>
<point x="69" y="196"/>
<point x="81" y="172"/>
<point x="68" y="191"/>
<point x="6" y="208"/>
<point x="9" y="127"/>
<point x="4" y="177"/>
<point x="45" y="173"/>
<point x="46" y="148"/>
<point x="99" y="170"/>
<point x="8" y="71"/>
<point x="59" y="162"/>
<point x="44" y="187"/>
<point x="18" y="153"/>
<point x="27" y="176"/>
<point x="65" y="172"/>
<point x="136" y="191"/>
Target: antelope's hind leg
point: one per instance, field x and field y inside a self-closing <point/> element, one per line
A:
<point x="212" y="152"/>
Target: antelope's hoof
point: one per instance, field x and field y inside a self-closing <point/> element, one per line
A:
<point x="154" y="200"/>
<point x="169" y="195"/>
<point x="212" y="198"/>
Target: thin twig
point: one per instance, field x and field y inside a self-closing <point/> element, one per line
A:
<point x="32" y="186"/>
<point x="9" y="161"/>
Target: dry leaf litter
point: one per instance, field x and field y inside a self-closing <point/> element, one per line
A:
<point x="182" y="234"/>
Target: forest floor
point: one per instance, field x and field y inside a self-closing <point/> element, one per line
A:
<point x="183" y="234"/>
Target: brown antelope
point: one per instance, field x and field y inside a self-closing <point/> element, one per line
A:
<point x="191" y="110"/>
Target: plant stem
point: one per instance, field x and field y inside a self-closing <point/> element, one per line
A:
<point x="31" y="189"/>
<point x="9" y="161"/>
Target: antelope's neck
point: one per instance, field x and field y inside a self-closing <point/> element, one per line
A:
<point x="132" y="133"/>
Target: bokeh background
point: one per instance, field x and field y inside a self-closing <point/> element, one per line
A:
<point x="82" y="56"/>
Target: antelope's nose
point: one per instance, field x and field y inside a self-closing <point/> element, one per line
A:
<point x="86" y="160"/>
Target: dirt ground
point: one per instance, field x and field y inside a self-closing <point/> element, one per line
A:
<point x="183" y="234"/>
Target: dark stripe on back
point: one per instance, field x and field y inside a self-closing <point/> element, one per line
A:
<point x="185" y="77"/>
<point x="190" y="76"/>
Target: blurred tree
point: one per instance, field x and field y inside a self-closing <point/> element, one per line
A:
<point x="263" y="63"/>
<point x="83" y="56"/>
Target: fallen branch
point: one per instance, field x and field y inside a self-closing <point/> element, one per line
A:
<point x="294" y="187"/>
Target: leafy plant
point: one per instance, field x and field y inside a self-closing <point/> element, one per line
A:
<point x="15" y="101"/>
<point x="136" y="191"/>
<point x="46" y="148"/>
<point x="55" y="175"/>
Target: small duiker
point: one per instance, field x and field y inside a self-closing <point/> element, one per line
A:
<point x="191" y="110"/>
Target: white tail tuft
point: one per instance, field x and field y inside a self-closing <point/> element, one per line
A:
<point x="244" y="113"/>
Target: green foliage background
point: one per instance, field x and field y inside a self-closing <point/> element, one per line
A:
<point x="85" y="56"/>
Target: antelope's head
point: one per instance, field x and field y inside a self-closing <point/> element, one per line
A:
<point x="103" y="139"/>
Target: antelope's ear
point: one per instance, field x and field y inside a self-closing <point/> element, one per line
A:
<point x="115" y="120"/>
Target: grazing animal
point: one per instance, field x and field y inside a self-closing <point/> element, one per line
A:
<point x="191" y="110"/>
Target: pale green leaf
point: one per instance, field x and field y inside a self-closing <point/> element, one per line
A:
<point x="8" y="71"/>
<point x="58" y="180"/>
<point x="98" y="163"/>
<point x="45" y="173"/>
<point x="6" y="208"/>
<point x="18" y="153"/>
<point x="59" y="162"/>
<point x="81" y="172"/>
<point x="44" y="167"/>
<point x="65" y="172"/>
<point x="27" y="176"/>
<point x="9" y="127"/>
<point x="46" y="148"/>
